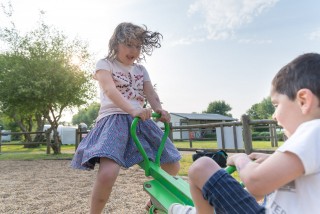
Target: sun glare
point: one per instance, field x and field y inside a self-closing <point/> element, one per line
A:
<point x="75" y="60"/>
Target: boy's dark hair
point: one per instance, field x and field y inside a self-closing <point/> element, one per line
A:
<point x="302" y="72"/>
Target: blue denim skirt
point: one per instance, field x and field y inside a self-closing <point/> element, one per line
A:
<point x="110" y="138"/>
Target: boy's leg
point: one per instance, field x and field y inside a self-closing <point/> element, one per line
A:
<point x="106" y="177"/>
<point x="220" y="190"/>
<point x="199" y="173"/>
<point x="213" y="189"/>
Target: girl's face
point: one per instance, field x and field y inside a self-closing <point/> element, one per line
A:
<point x="287" y="113"/>
<point x="129" y="52"/>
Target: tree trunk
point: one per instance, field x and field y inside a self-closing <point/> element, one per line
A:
<point x="56" y="142"/>
<point x="40" y="124"/>
<point x="26" y="128"/>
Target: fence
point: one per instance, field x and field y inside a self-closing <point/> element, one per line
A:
<point x="47" y="141"/>
<point x="198" y="132"/>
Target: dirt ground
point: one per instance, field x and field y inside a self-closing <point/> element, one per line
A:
<point x="51" y="186"/>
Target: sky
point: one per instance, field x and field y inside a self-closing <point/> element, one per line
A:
<point x="211" y="49"/>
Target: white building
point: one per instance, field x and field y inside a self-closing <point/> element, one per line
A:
<point x="182" y="119"/>
<point x="229" y="134"/>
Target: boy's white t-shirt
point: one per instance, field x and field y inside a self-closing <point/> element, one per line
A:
<point x="128" y="80"/>
<point x="303" y="194"/>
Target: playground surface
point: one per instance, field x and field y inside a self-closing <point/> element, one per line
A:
<point x="51" y="186"/>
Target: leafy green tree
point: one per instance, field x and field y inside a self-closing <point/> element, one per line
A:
<point x="39" y="78"/>
<point x="262" y="110"/>
<point x="219" y="107"/>
<point x="87" y="115"/>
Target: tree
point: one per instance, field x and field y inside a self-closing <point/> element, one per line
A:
<point x="39" y="79"/>
<point x="262" y="110"/>
<point x="219" y="107"/>
<point x="87" y="115"/>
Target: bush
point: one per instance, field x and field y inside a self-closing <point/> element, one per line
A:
<point x="265" y="136"/>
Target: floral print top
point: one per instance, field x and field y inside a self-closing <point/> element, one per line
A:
<point x="128" y="80"/>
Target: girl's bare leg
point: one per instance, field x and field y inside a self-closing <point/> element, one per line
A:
<point x="171" y="168"/>
<point x="199" y="172"/>
<point x="106" y="177"/>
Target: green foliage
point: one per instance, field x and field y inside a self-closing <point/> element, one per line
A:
<point x="262" y="110"/>
<point x="219" y="107"/>
<point x="265" y="136"/>
<point x="38" y="76"/>
<point x="87" y="115"/>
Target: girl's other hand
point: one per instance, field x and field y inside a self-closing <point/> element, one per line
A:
<point x="142" y="113"/>
<point x="165" y="116"/>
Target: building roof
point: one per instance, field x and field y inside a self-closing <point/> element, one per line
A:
<point x="194" y="116"/>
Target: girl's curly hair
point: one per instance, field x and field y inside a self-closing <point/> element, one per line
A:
<point x="126" y="32"/>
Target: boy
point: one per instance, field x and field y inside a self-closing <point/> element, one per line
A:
<point x="290" y="177"/>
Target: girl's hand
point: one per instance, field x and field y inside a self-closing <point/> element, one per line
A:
<point x="258" y="157"/>
<point x="165" y="116"/>
<point x="142" y="113"/>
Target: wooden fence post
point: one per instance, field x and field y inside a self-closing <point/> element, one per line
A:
<point x="275" y="135"/>
<point x="222" y="137"/>
<point x="247" y="135"/>
<point x="235" y="140"/>
<point x="191" y="136"/>
<point x="271" y="135"/>
<point x="170" y="132"/>
<point x="77" y="138"/>
<point x="0" y="140"/>
<point x="48" y="142"/>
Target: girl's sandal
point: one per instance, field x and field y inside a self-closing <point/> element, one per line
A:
<point x="149" y="206"/>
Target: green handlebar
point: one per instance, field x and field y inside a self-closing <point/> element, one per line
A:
<point x="140" y="147"/>
<point x="230" y="169"/>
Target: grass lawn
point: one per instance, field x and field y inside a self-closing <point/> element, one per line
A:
<point x="214" y="144"/>
<point x="17" y="152"/>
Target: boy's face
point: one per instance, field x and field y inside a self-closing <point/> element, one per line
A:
<point x="287" y="113"/>
<point x="129" y="52"/>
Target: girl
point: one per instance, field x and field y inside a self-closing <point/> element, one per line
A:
<point x="124" y="85"/>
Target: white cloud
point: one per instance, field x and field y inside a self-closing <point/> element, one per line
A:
<point x="223" y="17"/>
<point x="315" y="35"/>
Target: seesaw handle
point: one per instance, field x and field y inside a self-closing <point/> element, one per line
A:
<point x="140" y="147"/>
<point x="230" y="169"/>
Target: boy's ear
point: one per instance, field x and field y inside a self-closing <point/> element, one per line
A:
<point x="306" y="99"/>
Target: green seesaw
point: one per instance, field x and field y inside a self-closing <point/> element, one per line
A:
<point x="164" y="189"/>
